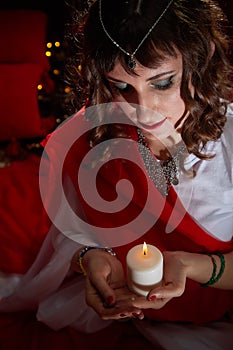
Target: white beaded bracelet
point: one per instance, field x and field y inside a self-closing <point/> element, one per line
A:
<point x="86" y="249"/>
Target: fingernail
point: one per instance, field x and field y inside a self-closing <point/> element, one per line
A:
<point x="123" y="315"/>
<point x="152" y="297"/>
<point x="110" y="300"/>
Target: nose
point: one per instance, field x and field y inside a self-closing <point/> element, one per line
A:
<point x="146" y="100"/>
<point x="147" y="109"/>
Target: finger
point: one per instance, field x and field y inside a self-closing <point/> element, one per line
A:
<point x="105" y="290"/>
<point x="117" y="284"/>
<point x="95" y="299"/>
<point x="117" y="276"/>
<point x="116" y="312"/>
<point x="154" y="303"/>
<point x="123" y="308"/>
<point x="120" y="311"/>
<point x="168" y="291"/>
<point x="140" y="302"/>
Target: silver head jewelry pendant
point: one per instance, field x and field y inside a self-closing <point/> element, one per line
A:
<point x="131" y="61"/>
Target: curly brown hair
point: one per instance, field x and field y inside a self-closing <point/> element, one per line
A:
<point x="196" y="28"/>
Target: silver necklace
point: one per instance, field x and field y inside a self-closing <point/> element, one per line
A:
<point x="131" y="62"/>
<point x="162" y="173"/>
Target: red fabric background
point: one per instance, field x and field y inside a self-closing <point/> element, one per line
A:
<point x="19" y="109"/>
<point x="23" y="37"/>
<point x="22" y="332"/>
<point x="21" y="230"/>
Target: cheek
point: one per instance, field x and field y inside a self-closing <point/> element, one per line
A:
<point x="175" y="108"/>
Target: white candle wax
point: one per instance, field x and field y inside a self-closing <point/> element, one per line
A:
<point x="144" y="271"/>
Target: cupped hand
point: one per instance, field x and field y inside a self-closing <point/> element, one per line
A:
<point x="172" y="285"/>
<point x="106" y="290"/>
<point x="122" y="308"/>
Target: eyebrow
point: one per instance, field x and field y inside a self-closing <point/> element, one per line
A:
<point x="160" y="75"/>
<point x="157" y="76"/>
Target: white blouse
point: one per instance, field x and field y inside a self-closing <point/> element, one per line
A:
<point x="208" y="197"/>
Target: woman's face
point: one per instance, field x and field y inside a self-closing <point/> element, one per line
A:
<point x="153" y="95"/>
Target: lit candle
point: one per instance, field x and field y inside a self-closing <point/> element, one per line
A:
<point x="144" y="268"/>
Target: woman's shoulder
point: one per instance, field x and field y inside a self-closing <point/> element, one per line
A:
<point x="68" y="131"/>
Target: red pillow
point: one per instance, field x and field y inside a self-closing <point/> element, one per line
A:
<point x="23" y="36"/>
<point x="19" y="109"/>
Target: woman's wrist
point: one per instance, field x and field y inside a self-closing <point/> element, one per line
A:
<point x="80" y="258"/>
<point x="202" y="268"/>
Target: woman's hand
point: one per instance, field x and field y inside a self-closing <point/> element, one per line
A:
<point x="172" y="286"/>
<point x="178" y="266"/>
<point x="106" y="290"/>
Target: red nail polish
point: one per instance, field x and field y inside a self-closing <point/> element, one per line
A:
<point x="110" y="300"/>
<point x="152" y="297"/>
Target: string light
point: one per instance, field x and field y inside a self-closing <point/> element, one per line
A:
<point x="67" y="89"/>
<point x="56" y="72"/>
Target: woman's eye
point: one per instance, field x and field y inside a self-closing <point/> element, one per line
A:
<point x="163" y="84"/>
<point x="120" y="87"/>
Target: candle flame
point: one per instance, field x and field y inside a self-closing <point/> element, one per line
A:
<point x="144" y="248"/>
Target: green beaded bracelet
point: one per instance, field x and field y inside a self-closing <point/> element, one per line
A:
<point x="213" y="279"/>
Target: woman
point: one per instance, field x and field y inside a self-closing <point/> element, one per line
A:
<point x="162" y="69"/>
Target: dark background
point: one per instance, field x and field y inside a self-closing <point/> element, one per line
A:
<point x="54" y="9"/>
<point x="57" y="12"/>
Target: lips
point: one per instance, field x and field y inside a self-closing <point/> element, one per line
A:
<point x="152" y="126"/>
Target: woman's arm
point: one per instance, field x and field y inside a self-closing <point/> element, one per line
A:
<point x="178" y="266"/>
<point x="199" y="267"/>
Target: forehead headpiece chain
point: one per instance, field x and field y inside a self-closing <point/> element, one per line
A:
<point x="131" y="62"/>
